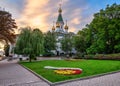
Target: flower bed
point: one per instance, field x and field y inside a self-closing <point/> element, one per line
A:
<point x="65" y="70"/>
<point x="68" y="71"/>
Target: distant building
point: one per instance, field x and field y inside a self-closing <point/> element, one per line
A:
<point x="60" y="29"/>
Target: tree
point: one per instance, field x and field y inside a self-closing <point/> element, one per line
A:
<point x="50" y="41"/>
<point x="23" y="41"/>
<point x="30" y="43"/>
<point x="67" y="44"/>
<point x="102" y="34"/>
<point x="105" y="30"/>
<point x="6" y="49"/>
<point x="80" y="42"/>
<point x="109" y="27"/>
<point x="37" y="42"/>
<point x="7" y="26"/>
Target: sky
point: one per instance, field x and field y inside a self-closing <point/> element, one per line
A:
<point x="41" y="13"/>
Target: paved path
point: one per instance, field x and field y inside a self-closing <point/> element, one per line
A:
<point x="12" y="74"/>
<point x="107" y="80"/>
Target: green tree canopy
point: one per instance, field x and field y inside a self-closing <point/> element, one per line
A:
<point x="30" y="42"/>
<point x="37" y="42"/>
<point x="23" y="41"/>
<point x="49" y="41"/>
<point x="105" y="28"/>
<point x="67" y="43"/>
<point x="102" y="35"/>
<point x="80" y="41"/>
<point x="7" y="26"/>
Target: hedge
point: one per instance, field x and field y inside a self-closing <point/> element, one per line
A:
<point x="104" y="56"/>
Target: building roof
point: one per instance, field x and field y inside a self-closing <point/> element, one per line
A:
<point x="60" y="19"/>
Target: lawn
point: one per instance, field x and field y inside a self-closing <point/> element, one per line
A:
<point x="90" y="67"/>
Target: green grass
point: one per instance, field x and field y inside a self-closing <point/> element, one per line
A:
<point x="90" y="67"/>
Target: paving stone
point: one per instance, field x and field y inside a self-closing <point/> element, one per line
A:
<point x="12" y="74"/>
<point x="106" y="80"/>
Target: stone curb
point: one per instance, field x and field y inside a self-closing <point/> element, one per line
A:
<point x="71" y="80"/>
<point x="85" y="78"/>
<point x="39" y="76"/>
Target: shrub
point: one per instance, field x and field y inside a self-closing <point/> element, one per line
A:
<point x="89" y="56"/>
<point x="104" y="56"/>
<point x="79" y="56"/>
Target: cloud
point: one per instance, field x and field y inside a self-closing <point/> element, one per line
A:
<point x="13" y="8"/>
<point x="34" y="14"/>
<point x="72" y="29"/>
<point x="41" y="13"/>
<point x="75" y="21"/>
<point x="74" y="13"/>
<point x="76" y="17"/>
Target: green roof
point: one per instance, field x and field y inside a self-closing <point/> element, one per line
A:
<point x="60" y="18"/>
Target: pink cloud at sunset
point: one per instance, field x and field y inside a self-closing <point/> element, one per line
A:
<point x="41" y="13"/>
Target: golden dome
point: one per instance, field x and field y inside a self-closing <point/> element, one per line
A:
<point x="60" y="10"/>
<point x="57" y="24"/>
<point x="53" y="28"/>
<point x="66" y="27"/>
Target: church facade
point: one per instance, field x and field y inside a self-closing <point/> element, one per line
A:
<point x="61" y="29"/>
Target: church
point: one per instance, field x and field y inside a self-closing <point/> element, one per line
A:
<point x="61" y="29"/>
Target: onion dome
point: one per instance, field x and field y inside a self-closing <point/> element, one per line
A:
<point x="60" y="9"/>
<point x="53" y="28"/>
<point x="57" y="24"/>
<point x="66" y="26"/>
